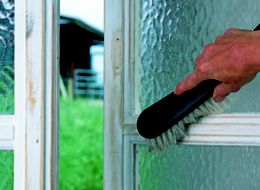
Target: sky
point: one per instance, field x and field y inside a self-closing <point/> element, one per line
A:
<point x="89" y="11"/>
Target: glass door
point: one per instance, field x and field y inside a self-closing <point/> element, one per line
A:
<point x="150" y="46"/>
<point x="172" y="33"/>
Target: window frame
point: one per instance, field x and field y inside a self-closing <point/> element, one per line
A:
<point x="32" y="131"/>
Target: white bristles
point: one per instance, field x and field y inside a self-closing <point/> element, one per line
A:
<point x="177" y="132"/>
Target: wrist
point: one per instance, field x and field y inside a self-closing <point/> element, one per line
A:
<point x="253" y="55"/>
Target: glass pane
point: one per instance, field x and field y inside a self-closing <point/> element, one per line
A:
<point x="6" y="170"/>
<point x="199" y="168"/>
<point x="173" y="32"/>
<point x="7" y="56"/>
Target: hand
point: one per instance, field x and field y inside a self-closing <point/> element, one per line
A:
<point x="233" y="59"/>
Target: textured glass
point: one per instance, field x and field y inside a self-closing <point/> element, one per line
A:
<point x="173" y="32"/>
<point x="6" y="56"/>
<point x="6" y="170"/>
<point x="199" y="168"/>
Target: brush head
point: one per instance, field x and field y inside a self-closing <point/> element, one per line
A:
<point x="177" y="131"/>
<point x="170" y="110"/>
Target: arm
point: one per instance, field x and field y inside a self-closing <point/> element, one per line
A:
<point x="233" y="59"/>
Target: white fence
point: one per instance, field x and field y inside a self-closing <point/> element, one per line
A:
<point x="86" y="83"/>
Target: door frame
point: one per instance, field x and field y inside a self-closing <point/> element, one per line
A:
<point x="36" y="95"/>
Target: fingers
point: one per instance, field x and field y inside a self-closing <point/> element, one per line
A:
<point x="229" y="35"/>
<point x="221" y="91"/>
<point x="190" y="82"/>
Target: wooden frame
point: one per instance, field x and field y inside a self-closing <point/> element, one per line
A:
<point x="36" y="95"/>
<point x="114" y="45"/>
<point x="52" y="94"/>
<point x="7" y="124"/>
<point x="121" y="137"/>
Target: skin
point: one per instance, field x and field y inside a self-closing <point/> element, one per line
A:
<point x="233" y="59"/>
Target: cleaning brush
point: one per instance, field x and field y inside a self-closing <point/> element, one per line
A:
<point x="166" y="121"/>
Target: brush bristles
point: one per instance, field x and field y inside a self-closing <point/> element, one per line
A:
<point x="177" y="132"/>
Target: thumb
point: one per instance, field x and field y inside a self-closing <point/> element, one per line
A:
<point x="221" y="91"/>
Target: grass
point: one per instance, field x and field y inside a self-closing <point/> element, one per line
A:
<point x="6" y="170"/>
<point x="81" y="144"/>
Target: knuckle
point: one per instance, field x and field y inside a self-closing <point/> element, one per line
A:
<point x="201" y="68"/>
<point x="230" y="30"/>
<point x="208" y="47"/>
<point x="219" y="38"/>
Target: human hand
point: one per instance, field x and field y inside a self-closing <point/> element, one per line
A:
<point x="233" y="59"/>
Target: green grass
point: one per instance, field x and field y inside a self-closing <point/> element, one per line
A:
<point x="6" y="170"/>
<point x="81" y="144"/>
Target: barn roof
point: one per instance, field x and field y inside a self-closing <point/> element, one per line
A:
<point x="81" y="24"/>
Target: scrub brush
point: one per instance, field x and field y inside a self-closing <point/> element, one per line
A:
<point x="166" y="121"/>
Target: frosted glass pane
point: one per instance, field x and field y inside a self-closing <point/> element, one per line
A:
<point x="6" y="56"/>
<point x="199" y="168"/>
<point x="173" y="32"/>
<point x="6" y="170"/>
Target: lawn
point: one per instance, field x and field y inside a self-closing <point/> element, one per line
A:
<point x="81" y="144"/>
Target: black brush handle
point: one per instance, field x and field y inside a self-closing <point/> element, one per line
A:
<point x="168" y="111"/>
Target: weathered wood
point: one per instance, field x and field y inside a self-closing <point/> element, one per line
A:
<point x="52" y="94"/>
<point x="36" y="96"/>
<point x="20" y="96"/>
<point x="113" y="106"/>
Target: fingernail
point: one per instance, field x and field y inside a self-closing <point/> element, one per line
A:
<point x="218" y="99"/>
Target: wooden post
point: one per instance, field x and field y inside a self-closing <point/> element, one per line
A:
<point x="71" y="81"/>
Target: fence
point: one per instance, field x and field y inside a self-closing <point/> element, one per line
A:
<point x="87" y="83"/>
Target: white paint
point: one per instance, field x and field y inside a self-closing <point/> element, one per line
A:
<point x="32" y="168"/>
<point x="6" y="132"/>
<point x="113" y="108"/>
<point x="89" y="11"/>
<point x="20" y="96"/>
<point x="6" y="144"/>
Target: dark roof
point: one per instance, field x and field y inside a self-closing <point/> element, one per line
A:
<point x="80" y="23"/>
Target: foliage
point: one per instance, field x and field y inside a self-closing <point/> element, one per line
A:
<point x="81" y="142"/>
<point x="6" y="89"/>
<point x="6" y="170"/>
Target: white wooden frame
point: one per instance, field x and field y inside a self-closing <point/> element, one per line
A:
<point x="32" y="132"/>
<point x="121" y="136"/>
<point x="7" y="124"/>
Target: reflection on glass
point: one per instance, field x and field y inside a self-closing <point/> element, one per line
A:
<point x="199" y="168"/>
<point x="6" y="56"/>
<point x="6" y="170"/>
<point x="173" y="32"/>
